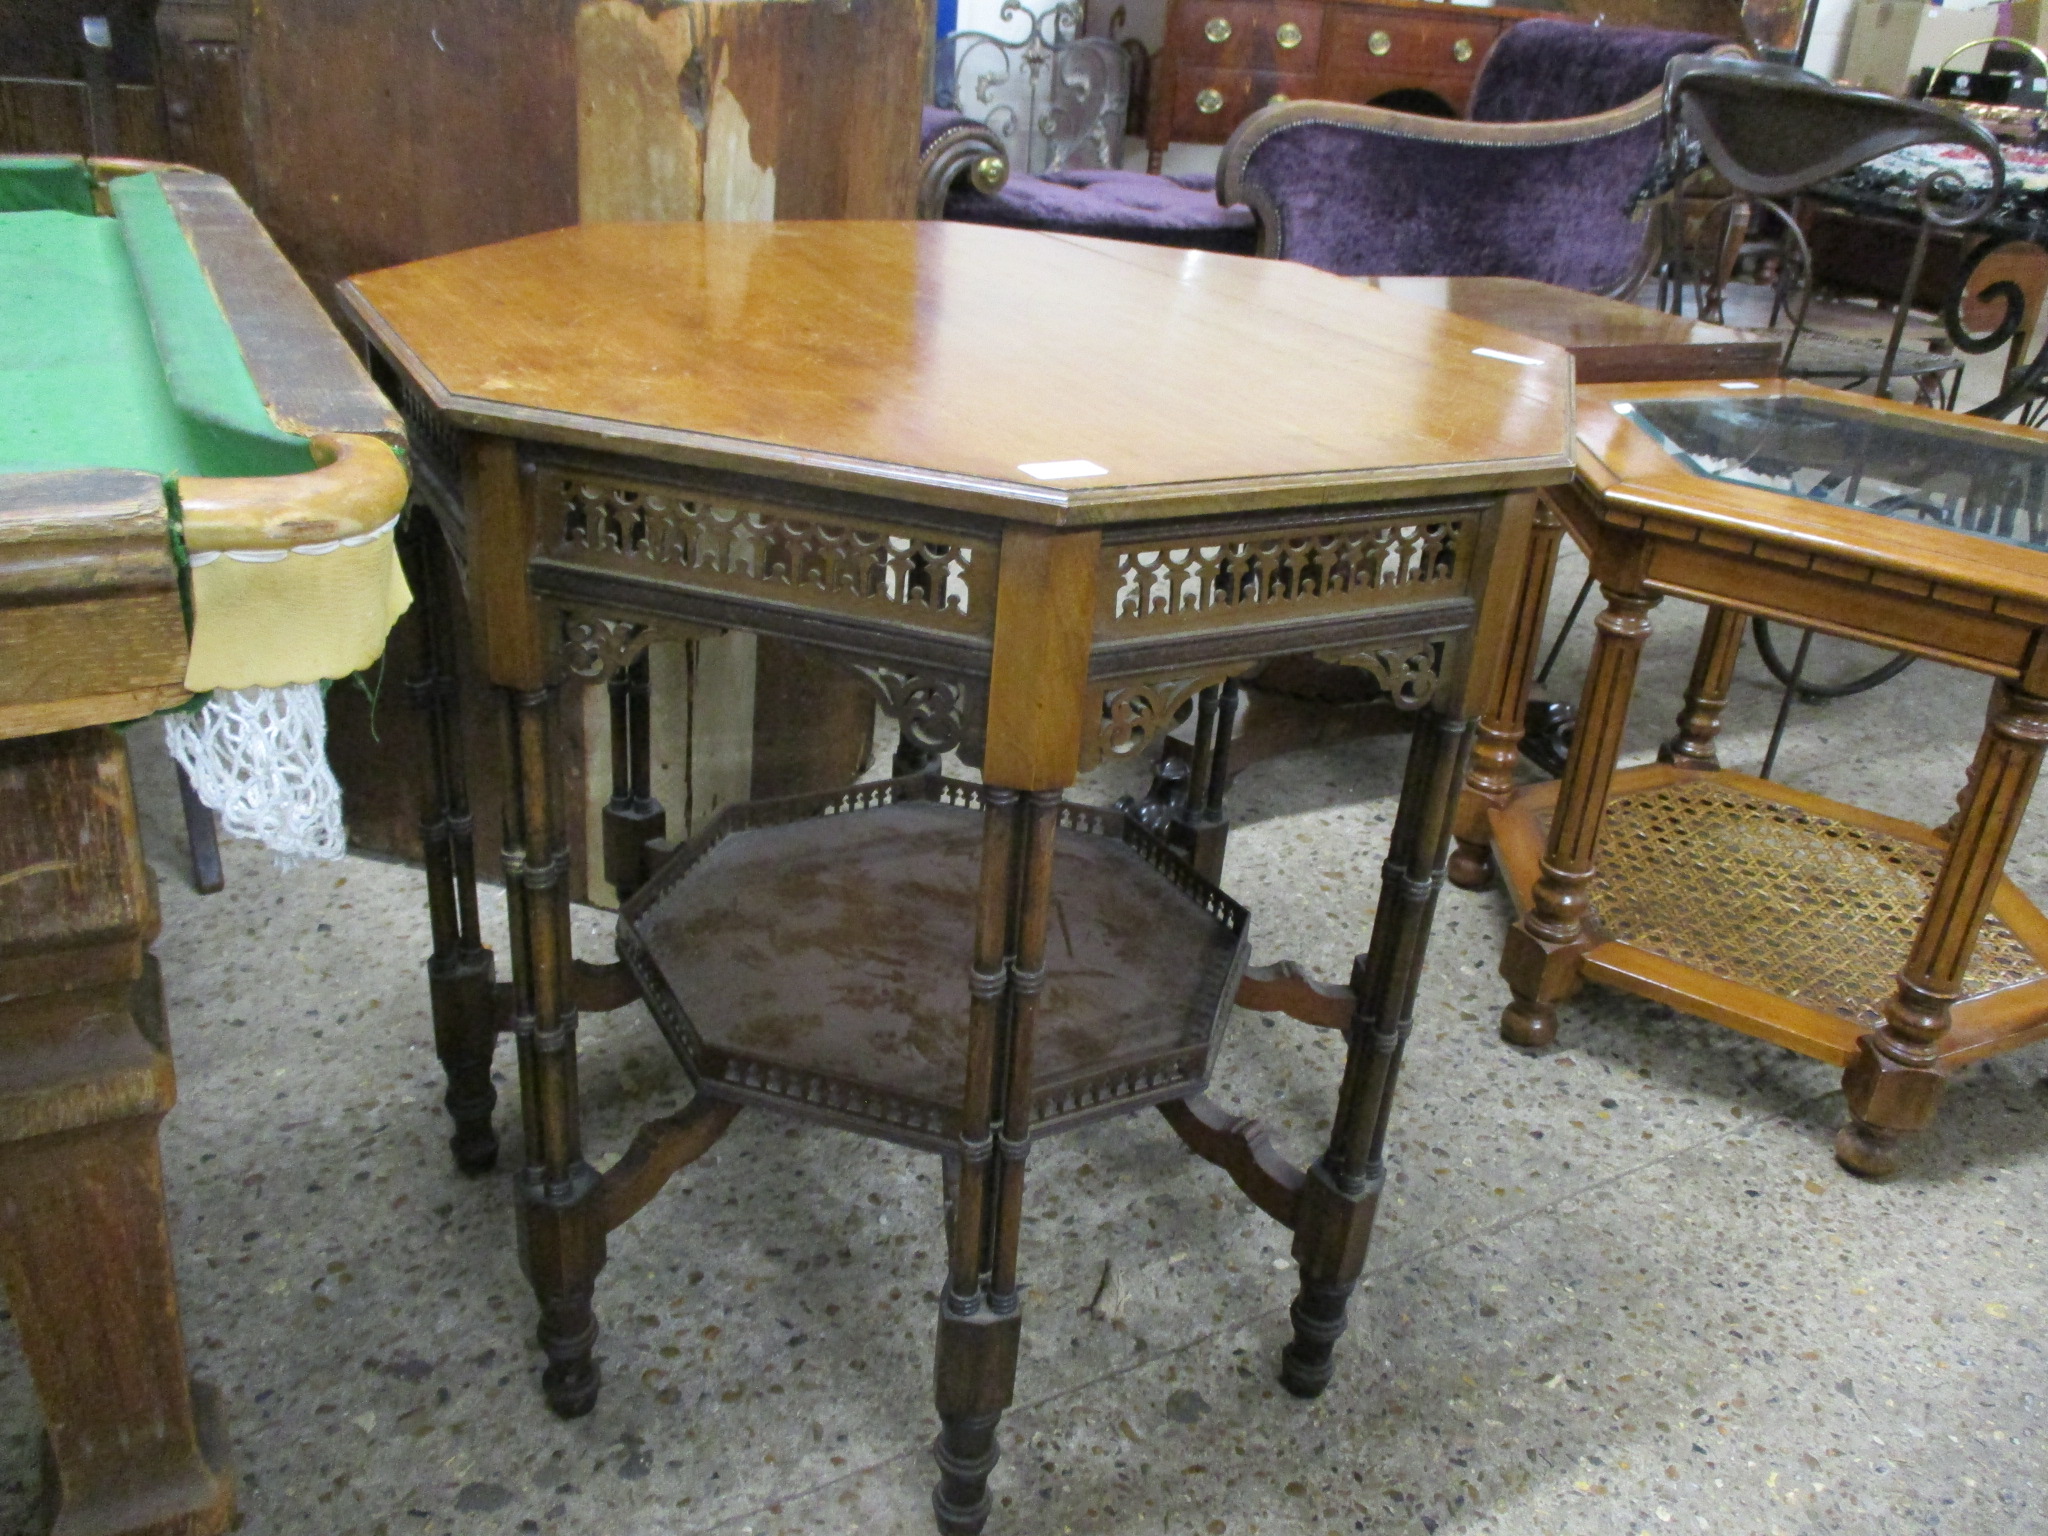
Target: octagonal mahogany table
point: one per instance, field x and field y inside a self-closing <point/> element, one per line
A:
<point x="1039" y="491"/>
<point x="1893" y="951"/>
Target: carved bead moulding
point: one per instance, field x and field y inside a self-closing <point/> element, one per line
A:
<point x="887" y="572"/>
<point x="1334" y="565"/>
<point x="764" y="962"/>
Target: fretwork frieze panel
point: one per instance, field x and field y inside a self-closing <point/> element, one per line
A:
<point x="871" y="569"/>
<point x="1334" y="568"/>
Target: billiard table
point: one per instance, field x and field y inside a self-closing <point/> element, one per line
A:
<point x="181" y="431"/>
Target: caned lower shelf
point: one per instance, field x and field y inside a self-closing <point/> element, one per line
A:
<point x="814" y="954"/>
<point x="1777" y="913"/>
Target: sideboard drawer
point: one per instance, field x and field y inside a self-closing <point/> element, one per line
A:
<point x="1248" y="34"/>
<point x="1209" y="103"/>
<point x="1366" y="41"/>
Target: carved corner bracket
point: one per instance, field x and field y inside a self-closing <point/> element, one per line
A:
<point x="1408" y="675"/>
<point x="934" y="711"/>
<point x="1137" y="711"/>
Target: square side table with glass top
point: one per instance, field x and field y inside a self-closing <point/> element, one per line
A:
<point x="1896" y="952"/>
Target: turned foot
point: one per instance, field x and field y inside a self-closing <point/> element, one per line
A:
<point x="568" y="1332"/>
<point x="465" y="1035"/>
<point x="1471" y="866"/>
<point x="1308" y="1361"/>
<point x="966" y="1452"/>
<point x="1869" y="1151"/>
<point x="1529" y="1023"/>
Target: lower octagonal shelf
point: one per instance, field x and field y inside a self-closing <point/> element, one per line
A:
<point x="812" y="954"/>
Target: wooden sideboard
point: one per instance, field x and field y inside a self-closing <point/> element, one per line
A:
<point x="1224" y="59"/>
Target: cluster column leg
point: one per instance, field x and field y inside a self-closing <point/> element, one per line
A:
<point x="1333" y="1221"/>
<point x="461" y="972"/>
<point x="560" y="1222"/>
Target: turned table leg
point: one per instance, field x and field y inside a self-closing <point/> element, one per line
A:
<point x="1541" y="958"/>
<point x="461" y="971"/>
<point x="560" y="1222"/>
<point x="632" y="817"/>
<point x="1706" y="692"/>
<point x="981" y="1315"/>
<point x="1895" y="1083"/>
<point x="1333" y="1222"/>
<point x="1497" y="750"/>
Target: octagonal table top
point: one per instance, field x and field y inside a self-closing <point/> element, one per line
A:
<point x="1050" y="378"/>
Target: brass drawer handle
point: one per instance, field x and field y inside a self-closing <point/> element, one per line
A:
<point x="1379" y="45"/>
<point x="1278" y="99"/>
<point x="1288" y="35"/>
<point x="1217" y="29"/>
<point x="1208" y="101"/>
<point x="1461" y="50"/>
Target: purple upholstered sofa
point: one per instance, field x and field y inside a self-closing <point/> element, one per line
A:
<point x="965" y="178"/>
<point x="1564" y="122"/>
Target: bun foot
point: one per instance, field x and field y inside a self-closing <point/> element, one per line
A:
<point x="1529" y="1024"/>
<point x="1471" y="866"/>
<point x="1868" y="1151"/>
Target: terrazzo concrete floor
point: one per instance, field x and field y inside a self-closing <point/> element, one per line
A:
<point x="1617" y="1287"/>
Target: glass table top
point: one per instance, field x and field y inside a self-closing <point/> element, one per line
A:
<point x="1844" y="455"/>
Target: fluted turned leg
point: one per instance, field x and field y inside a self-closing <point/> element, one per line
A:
<point x="1895" y="1083"/>
<point x="1706" y="693"/>
<point x="1333" y="1222"/>
<point x="461" y="971"/>
<point x="1541" y="958"/>
<point x="561" y="1226"/>
<point x="1503" y="708"/>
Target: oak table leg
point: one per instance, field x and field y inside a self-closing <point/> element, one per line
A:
<point x="461" y="972"/>
<point x="1895" y="1083"/>
<point x="1497" y="751"/>
<point x="134" y="1447"/>
<point x="1334" y="1217"/>
<point x="1706" y="692"/>
<point x="1541" y="958"/>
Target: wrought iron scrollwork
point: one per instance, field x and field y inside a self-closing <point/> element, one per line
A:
<point x="1056" y="99"/>
<point x="1410" y="677"/>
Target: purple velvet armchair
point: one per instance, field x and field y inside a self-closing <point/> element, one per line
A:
<point x="1564" y="124"/>
<point x="964" y="176"/>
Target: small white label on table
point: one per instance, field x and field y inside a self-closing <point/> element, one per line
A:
<point x="1063" y="469"/>
<point x="1738" y="384"/>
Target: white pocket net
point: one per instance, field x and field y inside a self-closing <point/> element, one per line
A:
<point x="258" y="756"/>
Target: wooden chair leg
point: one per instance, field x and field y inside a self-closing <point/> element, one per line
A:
<point x="1895" y="1083"/>
<point x="461" y="972"/>
<point x="1336" y="1205"/>
<point x="561" y="1215"/>
<point x="1503" y="708"/>
<point x="1541" y="958"/>
<point x="1706" y="694"/>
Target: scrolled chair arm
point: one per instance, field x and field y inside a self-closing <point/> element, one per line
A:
<point x="1367" y="191"/>
<point x="962" y="148"/>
